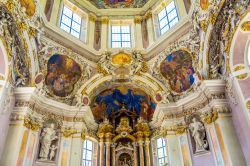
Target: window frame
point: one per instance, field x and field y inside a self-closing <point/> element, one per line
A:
<point x="165" y="154"/>
<point x="248" y="54"/>
<point x="166" y="16"/>
<point x="84" y="150"/>
<point x="71" y="21"/>
<point x="120" y="34"/>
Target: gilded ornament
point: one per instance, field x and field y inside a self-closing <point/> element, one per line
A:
<point x="138" y="19"/>
<point x="32" y="32"/>
<point x="31" y="124"/>
<point x="10" y="5"/>
<point x="121" y="59"/>
<point x="30" y="7"/>
<point x="22" y="26"/>
<point x="248" y="104"/>
<point x="204" y="25"/>
<point x="68" y="132"/>
<point x="148" y="15"/>
<point x="211" y="117"/>
<point x="105" y="20"/>
<point x="83" y="135"/>
<point x="246" y="26"/>
<point x="179" y="129"/>
<point x="241" y="76"/>
<point x="204" y="4"/>
<point x="92" y="17"/>
<point x="1" y="77"/>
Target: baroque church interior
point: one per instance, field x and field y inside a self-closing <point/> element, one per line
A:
<point x="124" y="82"/>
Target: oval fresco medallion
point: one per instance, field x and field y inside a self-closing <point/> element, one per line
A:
<point x="177" y="69"/>
<point x="62" y="73"/>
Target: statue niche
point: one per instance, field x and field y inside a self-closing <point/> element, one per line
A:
<point x="198" y="135"/>
<point x="48" y="142"/>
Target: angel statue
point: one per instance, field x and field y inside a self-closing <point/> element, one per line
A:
<point x="199" y="135"/>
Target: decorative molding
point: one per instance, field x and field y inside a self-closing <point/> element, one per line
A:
<point x="246" y="26"/>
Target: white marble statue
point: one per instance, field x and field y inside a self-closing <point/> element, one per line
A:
<point x="199" y="135"/>
<point x="48" y="135"/>
<point x="52" y="152"/>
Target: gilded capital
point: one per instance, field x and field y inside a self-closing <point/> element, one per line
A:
<point x="68" y="132"/>
<point x="148" y="15"/>
<point x="138" y="19"/>
<point x="92" y="17"/>
<point x="210" y="117"/>
<point x="248" y="104"/>
<point x="105" y="20"/>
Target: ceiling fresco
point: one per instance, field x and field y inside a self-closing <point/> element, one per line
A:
<point x="178" y="70"/>
<point x="107" y="4"/>
<point x="62" y="74"/>
<point x="132" y="99"/>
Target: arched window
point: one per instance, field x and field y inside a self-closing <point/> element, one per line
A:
<point x="161" y="152"/>
<point x="87" y="153"/>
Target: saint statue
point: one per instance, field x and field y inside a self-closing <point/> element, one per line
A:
<point x="48" y="135"/>
<point x="199" y="135"/>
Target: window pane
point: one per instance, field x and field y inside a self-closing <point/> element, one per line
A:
<point x="76" y="26"/>
<point x="115" y="29"/>
<point x="168" y="17"/>
<point x="125" y="37"/>
<point x="89" y="145"/>
<point x="126" y="44"/>
<point x="172" y="15"/>
<point x="67" y="12"/>
<point x="66" y="20"/>
<point x="162" y="14"/>
<point x="116" y="44"/>
<point x="64" y="27"/>
<point x="159" y="143"/>
<point x="125" y="29"/>
<point x="71" y="22"/>
<point x="116" y="37"/>
<point x="170" y="7"/>
<point x="121" y="37"/>
<point x="77" y="18"/>
<point x="74" y="33"/>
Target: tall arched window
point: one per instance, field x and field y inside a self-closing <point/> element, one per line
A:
<point x="87" y="153"/>
<point x="161" y="152"/>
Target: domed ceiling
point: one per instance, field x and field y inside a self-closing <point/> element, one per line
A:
<point x="106" y="4"/>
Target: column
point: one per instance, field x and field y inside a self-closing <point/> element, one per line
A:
<point x="138" y="33"/>
<point x="107" y="153"/>
<point x="135" y="154"/>
<point x="101" y="157"/>
<point x="150" y="27"/>
<point x="113" y="154"/>
<point x="173" y="150"/>
<point x="91" y="31"/>
<point x="141" y="153"/>
<point x="147" y="142"/>
<point x="76" y="149"/>
<point x="227" y="137"/>
<point x="104" y="33"/>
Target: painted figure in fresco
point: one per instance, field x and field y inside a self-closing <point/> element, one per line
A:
<point x="177" y="69"/>
<point x="199" y="134"/>
<point x="48" y="135"/>
<point x="63" y="73"/>
<point x="114" y="100"/>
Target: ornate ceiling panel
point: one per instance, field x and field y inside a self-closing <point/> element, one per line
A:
<point x="106" y="4"/>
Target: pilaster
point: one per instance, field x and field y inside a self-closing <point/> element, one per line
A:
<point x="138" y="34"/>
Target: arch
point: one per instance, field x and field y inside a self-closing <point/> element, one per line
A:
<point x="4" y="70"/>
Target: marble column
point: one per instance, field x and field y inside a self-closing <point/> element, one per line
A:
<point x="107" y="153"/>
<point x="147" y="142"/>
<point x="135" y="153"/>
<point x="104" y="33"/>
<point x="141" y="153"/>
<point x="76" y="149"/>
<point x="101" y="157"/>
<point x="150" y="28"/>
<point x="138" y="33"/>
<point x="228" y="140"/>
<point x="173" y="149"/>
<point x="91" y="31"/>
